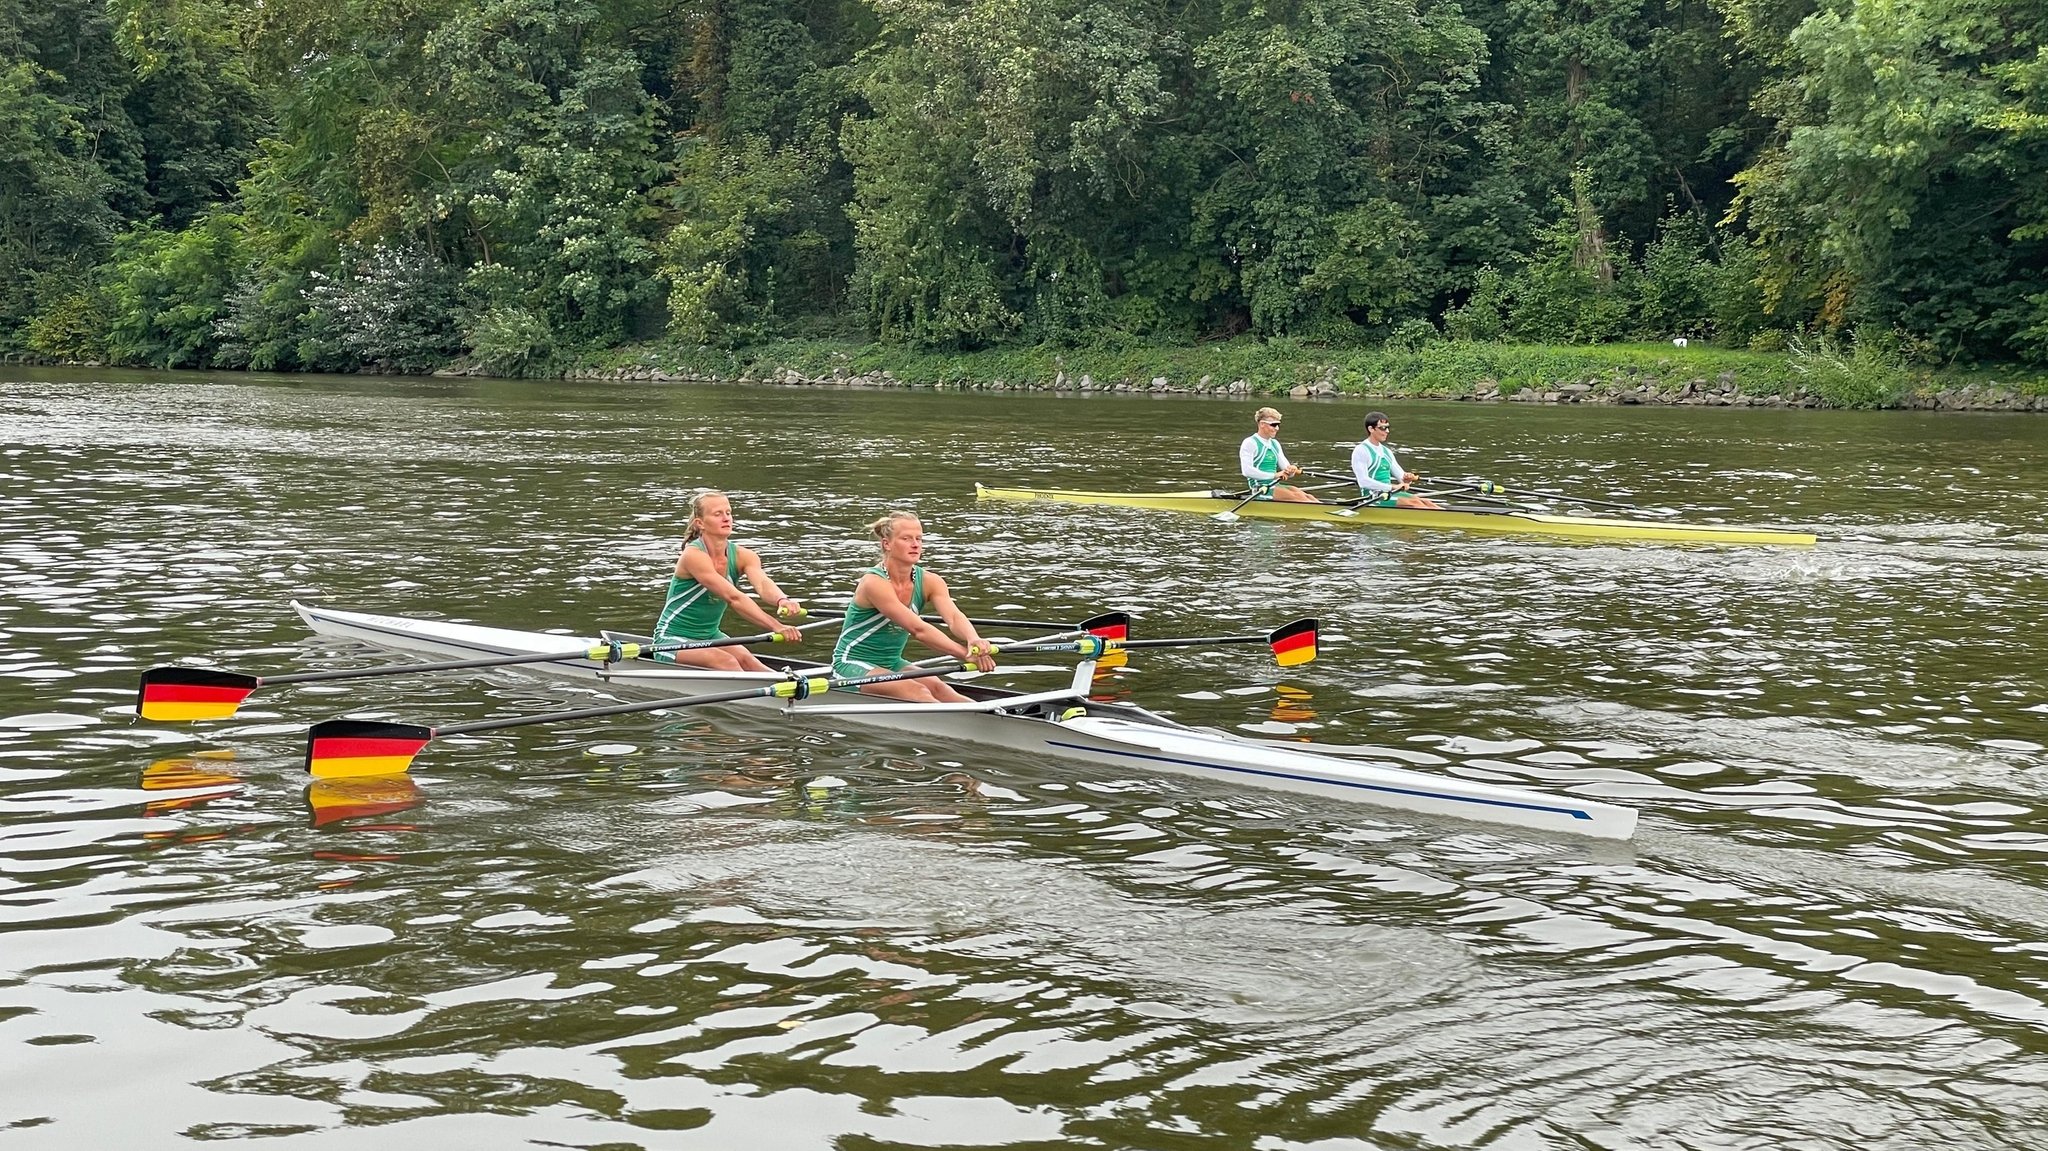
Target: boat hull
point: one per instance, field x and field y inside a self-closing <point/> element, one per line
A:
<point x="1058" y="725"/>
<point x="1497" y="521"/>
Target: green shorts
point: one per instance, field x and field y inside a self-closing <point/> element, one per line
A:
<point x="669" y="656"/>
<point x="853" y="669"/>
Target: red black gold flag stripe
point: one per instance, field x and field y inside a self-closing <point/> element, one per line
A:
<point x="340" y="748"/>
<point x="1116" y="627"/>
<point x="1294" y="644"/>
<point x="183" y="694"/>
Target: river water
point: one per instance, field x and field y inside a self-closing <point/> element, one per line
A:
<point x="654" y="932"/>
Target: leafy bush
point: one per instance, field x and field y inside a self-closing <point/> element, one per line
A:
<point x="1483" y="317"/>
<point x="508" y="340"/>
<point x="1866" y="374"/>
<point x="1412" y="335"/>
<point x="164" y="291"/>
<point x="1677" y="282"/>
<point x="274" y="323"/>
<point x="393" y="307"/>
<point x="72" y="328"/>
<point x="1735" y="296"/>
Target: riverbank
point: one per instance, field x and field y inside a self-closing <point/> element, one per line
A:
<point x="1445" y="370"/>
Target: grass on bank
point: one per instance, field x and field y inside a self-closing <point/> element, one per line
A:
<point x="1839" y="376"/>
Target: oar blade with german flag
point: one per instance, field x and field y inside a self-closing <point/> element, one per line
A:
<point x="348" y="748"/>
<point x="1113" y="627"/>
<point x="188" y="694"/>
<point x="1294" y="644"/>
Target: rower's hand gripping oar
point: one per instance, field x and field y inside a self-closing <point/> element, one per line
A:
<point x="341" y="748"/>
<point x="179" y="694"/>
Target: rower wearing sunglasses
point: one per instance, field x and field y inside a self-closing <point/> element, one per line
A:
<point x="1264" y="463"/>
<point x="1380" y="476"/>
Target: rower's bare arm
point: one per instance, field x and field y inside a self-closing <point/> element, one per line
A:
<point x="882" y="598"/>
<point x="700" y="568"/>
<point x="941" y="602"/>
<point x="787" y="607"/>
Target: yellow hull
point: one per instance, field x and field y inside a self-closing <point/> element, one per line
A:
<point x="1504" y="521"/>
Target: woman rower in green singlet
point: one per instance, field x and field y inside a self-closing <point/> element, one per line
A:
<point x="706" y="584"/>
<point x="883" y="617"/>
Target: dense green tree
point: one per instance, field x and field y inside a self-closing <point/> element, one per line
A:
<point x="392" y="184"/>
<point x="1908" y="188"/>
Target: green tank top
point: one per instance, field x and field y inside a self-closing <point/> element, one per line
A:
<point x="868" y="637"/>
<point x="691" y="611"/>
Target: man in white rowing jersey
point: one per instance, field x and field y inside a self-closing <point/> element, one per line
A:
<point x="1264" y="463"/>
<point x="1379" y="474"/>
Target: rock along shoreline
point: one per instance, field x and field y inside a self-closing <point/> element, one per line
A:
<point x="1723" y="390"/>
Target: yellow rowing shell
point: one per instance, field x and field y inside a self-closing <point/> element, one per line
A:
<point x="1503" y="521"/>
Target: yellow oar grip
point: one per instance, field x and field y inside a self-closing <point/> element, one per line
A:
<point x="802" y="688"/>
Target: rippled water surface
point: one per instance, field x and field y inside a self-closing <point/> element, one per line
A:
<point x="663" y="931"/>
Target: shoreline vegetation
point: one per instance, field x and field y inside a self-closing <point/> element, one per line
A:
<point x="1626" y="374"/>
<point x="1840" y="206"/>
<point x="1619" y="374"/>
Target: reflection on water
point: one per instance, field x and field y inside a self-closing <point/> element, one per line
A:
<point x="713" y="930"/>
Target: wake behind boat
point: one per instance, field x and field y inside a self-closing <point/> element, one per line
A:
<point x="1500" y="521"/>
<point x="1062" y="723"/>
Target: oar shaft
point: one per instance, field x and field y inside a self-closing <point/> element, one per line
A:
<point x="977" y="621"/>
<point x="787" y="688"/>
<point x="604" y="652"/>
<point x="1560" y="496"/>
<point x="1193" y="642"/>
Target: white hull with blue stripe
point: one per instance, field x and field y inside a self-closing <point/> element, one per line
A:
<point x="1060" y="724"/>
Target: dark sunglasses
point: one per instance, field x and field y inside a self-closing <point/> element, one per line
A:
<point x="1270" y="423"/>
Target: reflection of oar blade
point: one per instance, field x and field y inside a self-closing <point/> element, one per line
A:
<point x="334" y="800"/>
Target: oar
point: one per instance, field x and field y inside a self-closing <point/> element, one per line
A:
<point x="1100" y="625"/>
<point x="175" y="694"/>
<point x="343" y="748"/>
<point x="1230" y="517"/>
<point x="1293" y="644"/>
<point x="1490" y="488"/>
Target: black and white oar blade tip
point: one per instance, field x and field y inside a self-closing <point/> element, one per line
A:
<point x="341" y="748"/>
<point x="184" y="694"/>
<point x="1294" y="644"/>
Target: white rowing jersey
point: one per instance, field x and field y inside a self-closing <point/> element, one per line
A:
<point x="1375" y="468"/>
<point x="1261" y="460"/>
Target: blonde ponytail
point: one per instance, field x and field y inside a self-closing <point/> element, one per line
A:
<point x="886" y="526"/>
<point x="691" y="509"/>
